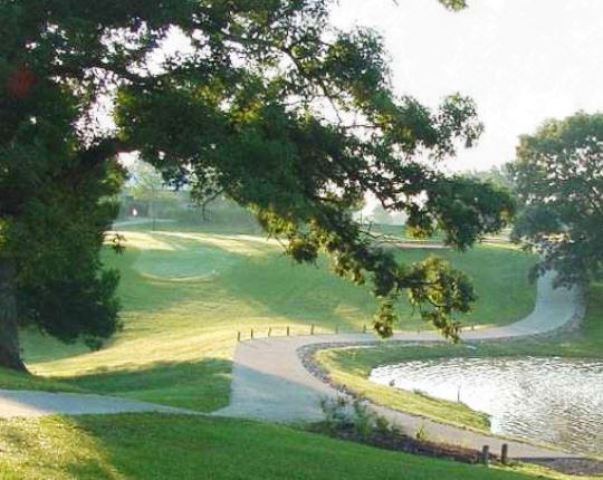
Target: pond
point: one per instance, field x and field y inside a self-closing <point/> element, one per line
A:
<point x="554" y="400"/>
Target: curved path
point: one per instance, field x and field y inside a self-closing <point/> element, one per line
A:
<point x="271" y="383"/>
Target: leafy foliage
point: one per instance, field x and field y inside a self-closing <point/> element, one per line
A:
<point x="559" y="179"/>
<point x="54" y="184"/>
<point x="454" y="4"/>
<point x="267" y="103"/>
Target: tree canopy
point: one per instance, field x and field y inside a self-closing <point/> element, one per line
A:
<point x="54" y="187"/>
<point x="558" y="175"/>
<point x="263" y="101"/>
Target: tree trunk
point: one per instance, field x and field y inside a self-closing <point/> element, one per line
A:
<point x="10" y="353"/>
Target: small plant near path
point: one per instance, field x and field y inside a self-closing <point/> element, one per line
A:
<point x="352" y="419"/>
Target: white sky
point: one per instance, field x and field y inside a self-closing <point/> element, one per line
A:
<point x="521" y="60"/>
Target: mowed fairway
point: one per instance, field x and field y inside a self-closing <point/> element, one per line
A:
<point x="186" y="294"/>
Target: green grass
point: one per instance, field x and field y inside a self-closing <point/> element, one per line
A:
<point x="9" y="379"/>
<point x="186" y="294"/>
<point x="352" y="366"/>
<point x="154" y="446"/>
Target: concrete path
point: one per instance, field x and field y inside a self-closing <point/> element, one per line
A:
<point x="29" y="403"/>
<point x="271" y="383"/>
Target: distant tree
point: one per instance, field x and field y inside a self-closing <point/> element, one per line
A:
<point x="148" y="186"/>
<point x="265" y="102"/>
<point x="500" y="177"/>
<point x="558" y="175"/>
<point x="380" y="215"/>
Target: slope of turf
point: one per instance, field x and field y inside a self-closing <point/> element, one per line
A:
<point x="153" y="446"/>
<point x="9" y="379"/>
<point x="186" y="294"/>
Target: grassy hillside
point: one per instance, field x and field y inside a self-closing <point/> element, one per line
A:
<point x="186" y="294"/>
<point x="153" y="446"/>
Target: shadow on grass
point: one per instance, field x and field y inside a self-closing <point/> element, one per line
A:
<point x="303" y="294"/>
<point x="141" y="446"/>
<point x="202" y="386"/>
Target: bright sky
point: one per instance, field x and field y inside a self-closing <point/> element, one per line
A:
<point x="521" y="60"/>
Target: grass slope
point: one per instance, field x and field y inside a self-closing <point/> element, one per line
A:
<point x="186" y="294"/>
<point x="10" y="379"/>
<point x="153" y="446"/>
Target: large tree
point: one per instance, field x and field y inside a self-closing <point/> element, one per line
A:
<point x="265" y="102"/>
<point x="55" y="181"/>
<point x="558" y="175"/>
<point x="53" y="214"/>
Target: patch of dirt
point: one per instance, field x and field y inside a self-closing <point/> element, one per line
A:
<point x="398" y="441"/>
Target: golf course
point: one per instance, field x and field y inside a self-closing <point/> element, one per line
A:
<point x="186" y="295"/>
<point x="301" y="240"/>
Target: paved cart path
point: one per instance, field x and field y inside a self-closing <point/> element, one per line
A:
<point x="271" y="383"/>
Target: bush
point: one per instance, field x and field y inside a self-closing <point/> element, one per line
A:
<point x="335" y="413"/>
<point x="344" y="414"/>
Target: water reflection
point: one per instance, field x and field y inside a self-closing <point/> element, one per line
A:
<point x="555" y="400"/>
